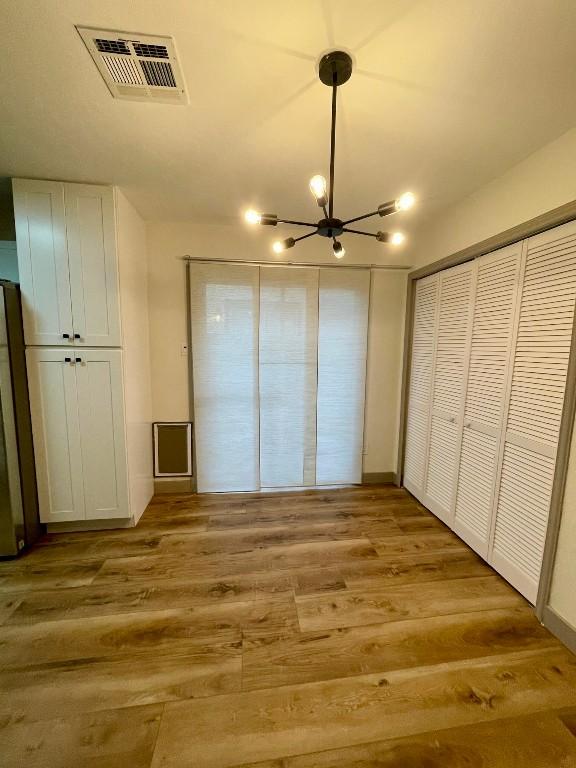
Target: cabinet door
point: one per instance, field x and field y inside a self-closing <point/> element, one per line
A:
<point x="43" y="261"/>
<point x="420" y="385"/>
<point x="538" y="381"/>
<point x="450" y="365"/>
<point x="90" y="226"/>
<point x="101" y="413"/>
<point x="495" y="303"/>
<point x="56" y="431"/>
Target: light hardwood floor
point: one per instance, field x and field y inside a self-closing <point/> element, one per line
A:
<point x="325" y="629"/>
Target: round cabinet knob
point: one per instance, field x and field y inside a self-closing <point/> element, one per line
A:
<point x="77" y="336"/>
<point x="78" y="359"/>
<point x="65" y="335"/>
<point x="67" y="359"/>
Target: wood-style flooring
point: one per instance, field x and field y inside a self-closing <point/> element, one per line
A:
<point x="320" y="629"/>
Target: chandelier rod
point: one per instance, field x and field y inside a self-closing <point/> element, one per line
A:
<point x="359" y="232"/>
<point x="299" y="223"/>
<point x="303" y="237"/>
<point x="359" y="218"/>
<point x="332" y="145"/>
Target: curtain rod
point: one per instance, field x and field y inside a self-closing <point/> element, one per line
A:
<point x="256" y="263"/>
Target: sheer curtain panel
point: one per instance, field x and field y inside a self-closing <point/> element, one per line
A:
<point x="224" y="314"/>
<point x="279" y="371"/>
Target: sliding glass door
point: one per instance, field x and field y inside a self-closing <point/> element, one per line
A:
<point x="279" y="362"/>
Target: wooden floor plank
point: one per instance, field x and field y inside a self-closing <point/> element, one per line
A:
<point x="359" y="607"/>
<point x="536" y="741"/>
<point x="322" y="655"/>
<point x="105" y="600"/>
<point x="334" y="627"/>
<point x="106" y="740"/>
<point x="171" y="629"/>
<point x="278" y="722"/>
<point x="272" y="558"/>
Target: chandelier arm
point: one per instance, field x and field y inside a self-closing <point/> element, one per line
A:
<point x="359" y="218"/>
<point x="303" y="237"/>
<point x="332" y="146"/>
<point x="298" y="223"/>
<point x="358" y="232"/>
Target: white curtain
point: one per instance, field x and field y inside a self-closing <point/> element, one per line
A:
<point x="288" y="362"/>
<point x="279" y="362"/>
<point x="224" y="314"/>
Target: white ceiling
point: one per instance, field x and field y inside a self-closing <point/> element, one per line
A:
<point x="446" y="95"/>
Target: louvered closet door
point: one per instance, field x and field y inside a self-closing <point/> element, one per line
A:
<point x="492" y="329"/>
<point x="535" y="407"/>
<point x="420" y="386"/>
<point x="450" y="359"/>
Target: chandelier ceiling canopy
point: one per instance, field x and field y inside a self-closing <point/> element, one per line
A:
<point x="334" y="70"/>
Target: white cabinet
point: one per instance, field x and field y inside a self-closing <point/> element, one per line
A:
<point x="102" y="433"/>
<point x="79" y="434"/>
<point x="43" y="261"/>
<point x="538" y="371"/>
<point x="495" y="302"/>
<point x="66" y="241"/>
<point x="420" y="385"/>
<point x="448" y="381"/>
<point x="495" y="401"/>
<point x="56" y="430"/>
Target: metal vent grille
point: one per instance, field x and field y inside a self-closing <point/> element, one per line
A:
<point x="112" y="46"/>
<point x="121" y="70"/>
<point x="151" y="51"/>
<point x="158" y="73"/>
<point x="137" y="67"/>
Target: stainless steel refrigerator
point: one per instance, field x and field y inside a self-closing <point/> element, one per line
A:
<point x="19" y="521"/>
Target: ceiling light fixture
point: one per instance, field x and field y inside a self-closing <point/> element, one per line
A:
<point x="334" y="70"/>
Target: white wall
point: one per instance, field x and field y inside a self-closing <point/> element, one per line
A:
<point x="545" y="180"/>
<point x="563" y="594"/>
<point x="385" y="347"/>
<point x="169" y="241"/>
<point x="133" y="273"/>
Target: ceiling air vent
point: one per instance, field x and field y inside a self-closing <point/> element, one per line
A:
<point x="137" y="67"/>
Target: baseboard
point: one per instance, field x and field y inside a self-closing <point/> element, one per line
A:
<point x="378" y="478"/>
<point x="563" y="631"/>
<point x="174" y="485"/>
<point x="90" y="525"/>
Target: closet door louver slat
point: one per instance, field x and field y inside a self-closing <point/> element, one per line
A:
<point x="420" y="387"/>
<point x="485" y="394"/>
<point x="539" y="368"/>
<point x="452" y="340"/>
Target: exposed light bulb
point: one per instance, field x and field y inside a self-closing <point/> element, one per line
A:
<point x="397" y="238"/>
<point x="318" y="188"/>
<point x="281" y="245"/>
<point x="252" y="217"/>
<point x="405" y="201"/>
<point x="339" y="250"/>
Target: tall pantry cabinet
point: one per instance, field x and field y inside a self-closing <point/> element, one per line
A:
<point x="72" y="306"/>
<point x="490" y="350"/>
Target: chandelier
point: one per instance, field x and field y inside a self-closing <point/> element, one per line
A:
<point x="334" y="70"/>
